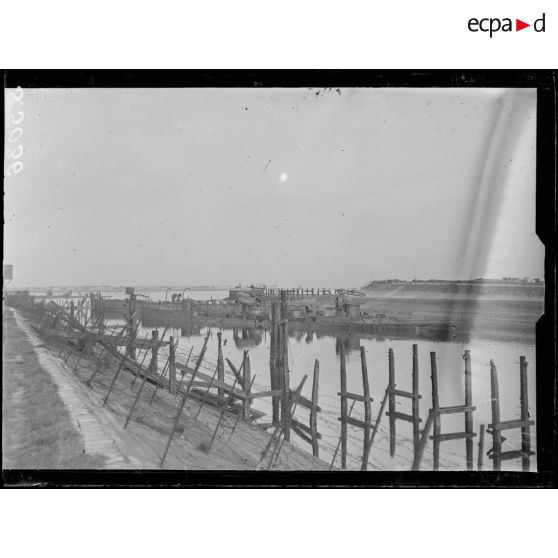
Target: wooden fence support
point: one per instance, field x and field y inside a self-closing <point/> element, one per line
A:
<point x="246" y="372"/>
<point x="344" y="414"/>
<point x="495" y="400"/>
<point x="220" y="365"/>
<point x="145" y="353"/>
<point x="415" y="399"/>
<point x="131" y="324"/>
<point x="183" y="402"/>
<point x="293" y="402"/>
<point x="121" y="365"/>
<point x="222" y="416"/>
<point x="523" y="423"/>
<point x="142" y="384"/>
<point x="481" y="448"/>
<point x="172" y="366"/>
<point x="314" y="409"/>
<point x="248" y="392"/>
<point x="391" y="404"/>
<point x="154" y="353"/>
<point x="468" y="413"/>
<point x="283" y="365"/>
<point x="364" y="465"/>
<point x="434" y="418"/>
<point x="436" y="408"/>
<point x="367" y="405"/>
<point x="273" y="360"/>
<point x="524" y="403"/>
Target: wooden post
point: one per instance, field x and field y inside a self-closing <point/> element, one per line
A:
<point x="526" y="429"/>
<point x="121" y="365"/>
<point x="184" y="398"/>
<point x="72" y="309"/>
<point x="481" y="448"/>
<point x="422" y="443"/>
<point x="496" y="434"/>
<point x="246" y="377"/>
<point x="468" y="414"/>
<point x="220" y="366"/>
<point x="273" y="360"/>
<point x="391" y="403"/>
<point x="314" y="409"/>
<point x="154" y="352"/>
<point x="172" y="366"/>
<point x="131" y="324"/>
<point x="284" y="368"/>
<point x="344" y="415"/>
<point x="415" y="400"/>
<point x="367" y="407"/>
<point x="435" y="407"/>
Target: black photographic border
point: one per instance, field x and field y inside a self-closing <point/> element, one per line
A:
<point x="547" y="440"/>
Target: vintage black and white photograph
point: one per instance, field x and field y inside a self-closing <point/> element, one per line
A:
<point x="271" y="279"/>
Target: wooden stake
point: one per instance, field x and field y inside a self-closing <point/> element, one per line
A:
<point x="238" y="414"/>
<point x="207" y="392"/>
<point x="172" y="365"/>
<point x="391" y="406"/>
<point x="314" y="409"/>
<point x="220" y="366"/>
<point x="415" y="400"/>
<point x="279" y="445"/>
<point x="142" y="384"/>
<point x="481" y="448"/>
<point x="376" y="425"/>
<point x="183" y="402"/>
<point x="120" y="366"/>
<point x="160" y="379"/>
<point x="184" y="371"/>
<point x="230" y="401"/>
<point x="435" y="407"/>
<point x="468" y="414"/>
<point x="246" y="382"/>
<point x="367" y="405"/>
<point x="496" y="435"/>
<point x="273" y="360"/>
<point x="131" y="324"/>
<point x="343" y="371"/>
<point x="422" y="443"/>
<point x="283" y="366"/>
<point x="524" y="401"/>
<point x="341" y="437"/>
<point x="141" y="362"/>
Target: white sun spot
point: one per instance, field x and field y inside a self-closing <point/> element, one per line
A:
<point x="284" y="177"/>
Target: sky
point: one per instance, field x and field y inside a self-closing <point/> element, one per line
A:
<point x="287" y="187"/>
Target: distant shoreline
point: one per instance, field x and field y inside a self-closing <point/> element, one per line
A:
<point x="457" y="286"/>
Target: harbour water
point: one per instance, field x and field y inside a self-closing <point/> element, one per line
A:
<point x="304" y="348"/>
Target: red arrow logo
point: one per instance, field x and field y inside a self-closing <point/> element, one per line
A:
<point x="519" y="25"/>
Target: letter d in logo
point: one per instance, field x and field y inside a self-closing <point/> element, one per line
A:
<point x="539" y="24"/>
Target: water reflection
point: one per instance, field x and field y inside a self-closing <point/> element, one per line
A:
<point x="348" y="343"/>
<point x="246" y="338"/>
<point x="190" y="330"/>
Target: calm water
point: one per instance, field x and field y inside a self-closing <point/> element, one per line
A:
<point x="304" y="348"/>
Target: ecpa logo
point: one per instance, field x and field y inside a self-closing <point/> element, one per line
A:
<point x="494" y="24"/>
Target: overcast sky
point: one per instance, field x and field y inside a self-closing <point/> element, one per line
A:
<point x="278" y="186"/>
